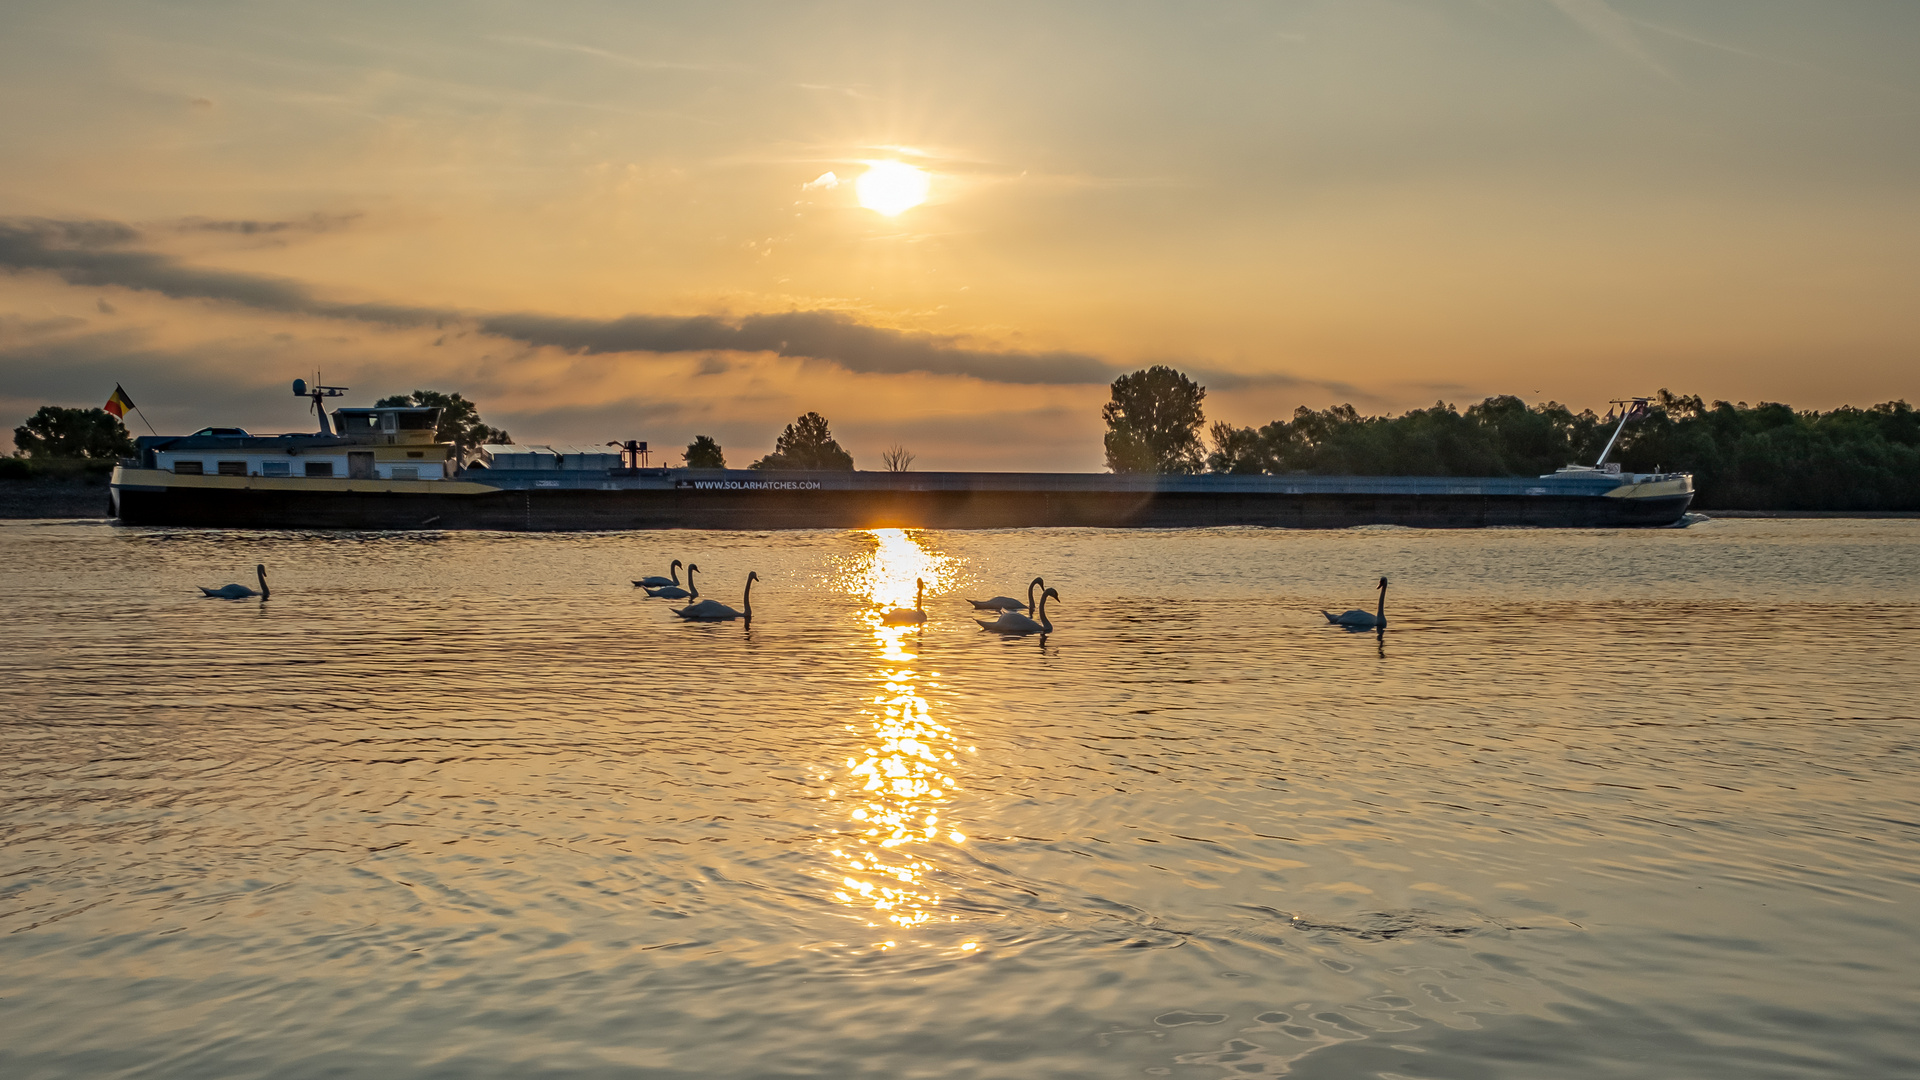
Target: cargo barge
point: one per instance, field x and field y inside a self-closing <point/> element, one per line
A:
<point x="383" y="468"/>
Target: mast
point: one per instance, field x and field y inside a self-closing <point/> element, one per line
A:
<point x="317" y="392"/>
<point x="1636" y="408"/>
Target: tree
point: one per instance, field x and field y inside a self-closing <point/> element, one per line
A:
<point x="1236" y="450"/>
<point x="806" y="444"/>
<point x="1153" y="422"/>
<point x="897" y="458"/>
<point x="56" y="432"/>
<point x="704" y="453"/>
<point x="460" y="422"/>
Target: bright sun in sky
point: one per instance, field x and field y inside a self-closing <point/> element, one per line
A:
<point x="888" y="187"/>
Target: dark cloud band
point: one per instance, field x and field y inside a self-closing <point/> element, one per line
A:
<point x="103" y="253"/>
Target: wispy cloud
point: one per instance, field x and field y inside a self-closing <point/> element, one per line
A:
<point x="1599" y="19"/>
<point x="314" y="223"/>
<point x="104" y="253"/>
<point x="609" y="55"/>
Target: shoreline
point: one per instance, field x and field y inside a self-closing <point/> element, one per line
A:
<point x="48" y="498"/>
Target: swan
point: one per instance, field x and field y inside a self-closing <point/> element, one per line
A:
<point x="1354" y="617"/>
<point x="904" y="616"/>
<point x="1012" y="622"/>
<point x="239" y="592"/>
<point x="675" y="592"/>
<point x="658" y="582"/>
<point x="1008" y="603"/>
<point x="715" y="611"/>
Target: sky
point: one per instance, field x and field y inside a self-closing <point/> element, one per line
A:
<point x="631" y="220"/>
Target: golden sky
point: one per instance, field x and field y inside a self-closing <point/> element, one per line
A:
<point x="615" y="220"/>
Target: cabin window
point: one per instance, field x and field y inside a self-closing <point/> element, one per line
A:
<point x="189" y="468"/>
<point x="357" y="423"/>
<point x="416" y="453"/>
<point x="416" y="421"/>
<point x="319" y="468"/>
<point x="276" y="468"/>
<point x="232" y="468"/>
<point x="406" y="472"/>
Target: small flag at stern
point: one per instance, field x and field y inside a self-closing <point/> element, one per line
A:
<point x="119" y="403"/>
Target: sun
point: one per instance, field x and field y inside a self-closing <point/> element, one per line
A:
<point x="889" y="187"/>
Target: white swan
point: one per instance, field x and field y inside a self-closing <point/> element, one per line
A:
<point x="1354" y="617"/>
<point x="907" y="616"/>
<point x="239" y="592"/>
<point x="1012" y="622"/>
<point x="658" y="582"/>
<point x="1008" y="603"/>
<point x="715" y="611"/>
<point x="675" y="592"/>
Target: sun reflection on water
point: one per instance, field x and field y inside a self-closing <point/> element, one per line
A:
<point x="896" y="790"/>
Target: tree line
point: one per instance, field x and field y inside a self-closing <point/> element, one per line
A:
<point x="1743" y="457"/>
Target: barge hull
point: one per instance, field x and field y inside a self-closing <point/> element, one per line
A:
<point x="543" y="510"/>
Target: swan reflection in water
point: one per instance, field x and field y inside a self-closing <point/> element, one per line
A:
<point x="894" y="792"/>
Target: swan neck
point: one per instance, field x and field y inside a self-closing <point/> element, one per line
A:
<point x="1380" y="614"/>
<point x="263" y="582"/>
<point x="746" y="600"/>
<point x="1046" y="624"/>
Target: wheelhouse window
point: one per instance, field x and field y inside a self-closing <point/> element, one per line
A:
<point x="420" y="421"/>
<point x="276" y="468"/>
<point x="232" y="468"/>
<point x="357" y="423"/>
<point x="189" y="468"/>
<point x="319" y="468"/>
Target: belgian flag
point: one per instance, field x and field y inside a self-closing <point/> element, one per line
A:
<point x="119" y="403"/>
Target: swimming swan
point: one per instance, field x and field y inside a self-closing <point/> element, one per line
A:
<point x="715" y="611"/>
<point x="1012" y="622"/>
<point x="239" y="592"/>
<point x="1354" y="617"/>
<point x="1008" y="603"/>
<point x="658" y="582"/>
<point x="906" y="616"/>
<point x="675" y="592"/>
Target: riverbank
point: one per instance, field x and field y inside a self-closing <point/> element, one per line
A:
<point x="1810" y="513"/>
<point x="54" y="489"/>
<point x="47" y="498"/>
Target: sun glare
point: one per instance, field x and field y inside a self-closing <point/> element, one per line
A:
<point x="889" y="187"/>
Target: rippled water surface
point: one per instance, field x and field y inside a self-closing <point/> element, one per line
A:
<point x="1596" y="804"/>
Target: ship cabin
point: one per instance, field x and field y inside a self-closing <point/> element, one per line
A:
<point x="393" y="443"/>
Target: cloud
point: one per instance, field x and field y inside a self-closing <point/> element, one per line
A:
<point x="1236" y="380"/>
<point x="1599" y="19"/>
<point x="101" y="253"/>
<point x="824" y="180"/>
<point x="316" y="223"/>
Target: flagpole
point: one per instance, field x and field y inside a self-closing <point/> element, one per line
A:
<point x="144" y="420"/>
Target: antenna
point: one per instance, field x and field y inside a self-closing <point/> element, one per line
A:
<point x="316" y="392"/>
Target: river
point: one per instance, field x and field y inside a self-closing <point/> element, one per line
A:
<point x="1595" y="804"/>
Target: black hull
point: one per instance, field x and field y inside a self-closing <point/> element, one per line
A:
<point x="569" y="510"/>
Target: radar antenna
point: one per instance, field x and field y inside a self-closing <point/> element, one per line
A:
<point x="316" y="392"/>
